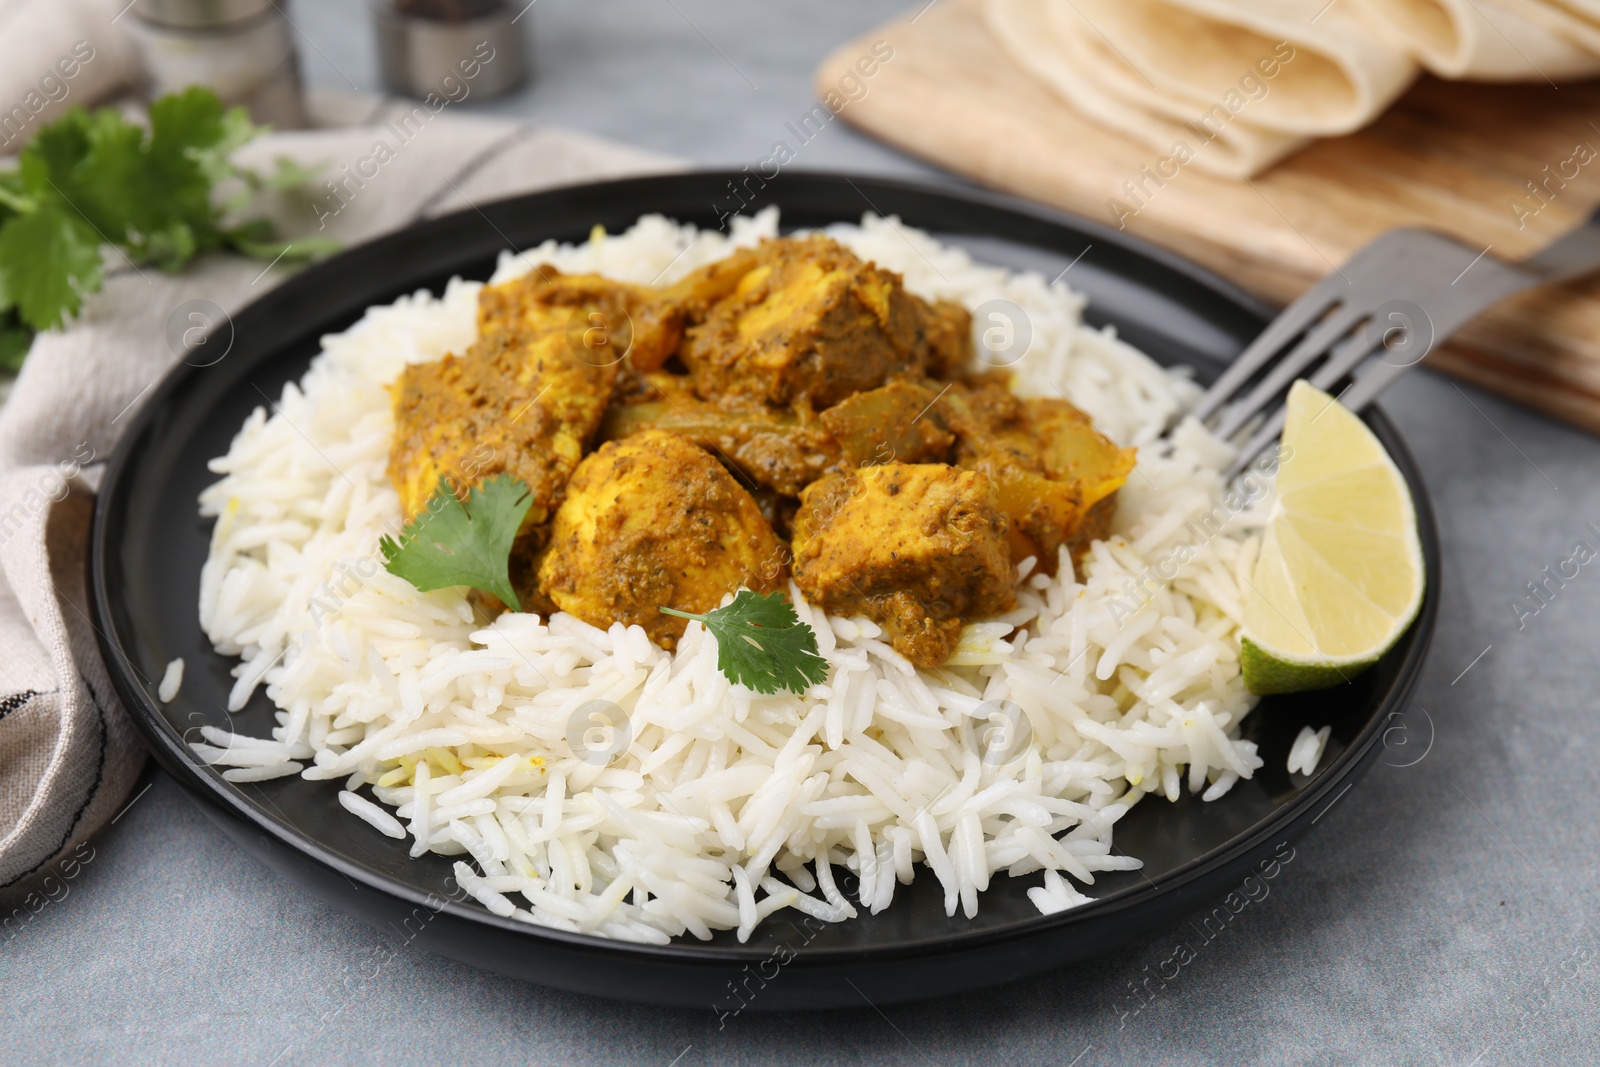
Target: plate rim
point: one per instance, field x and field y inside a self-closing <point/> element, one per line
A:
<point x="207" y="784"/>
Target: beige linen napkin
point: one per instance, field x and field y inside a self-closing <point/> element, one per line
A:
<point x="68" y="753"/>
<point x="54" y="54"/>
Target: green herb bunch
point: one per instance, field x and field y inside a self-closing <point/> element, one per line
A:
<point x="161" y="195"/>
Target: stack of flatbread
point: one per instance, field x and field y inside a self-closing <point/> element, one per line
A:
<point x="1236" y="85"/>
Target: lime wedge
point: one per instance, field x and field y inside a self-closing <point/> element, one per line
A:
<point x="1340" y="574"/>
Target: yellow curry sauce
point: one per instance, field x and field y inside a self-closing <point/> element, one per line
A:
<point x="787" y="411"/>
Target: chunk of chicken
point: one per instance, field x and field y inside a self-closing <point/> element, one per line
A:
<point x="1055" y="475"/>
<point x="603" y="321"/>
<point x="809" y="323"/>
<point x="770" y="446"/>
<point x="702" y="287"/>
<point x="516" y="404"/>
<point x="947" y="329"/>
<point x="919" y="548"/>
<point x="653" y="521"/>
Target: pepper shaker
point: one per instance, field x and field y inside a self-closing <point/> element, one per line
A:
<point x="449" y="48"/>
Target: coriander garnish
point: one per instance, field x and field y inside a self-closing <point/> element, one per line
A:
<point x="762" y="644"/>
<point x="450" y="543"/>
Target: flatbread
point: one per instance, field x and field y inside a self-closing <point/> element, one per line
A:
<point x="1337" y="73"/>
<point x="1576" y="20"/>
<point x="1246" y="82"/>
<point x="1475" y="40"/>
<point x="1077" y="63"/>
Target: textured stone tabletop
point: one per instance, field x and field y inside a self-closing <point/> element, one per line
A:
<point x="1438" y="914"/>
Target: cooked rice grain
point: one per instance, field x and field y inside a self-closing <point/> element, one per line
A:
<point x="171" y="681"/>
<point x="1306" y="752"/>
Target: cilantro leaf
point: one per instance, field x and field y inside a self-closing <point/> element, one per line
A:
<point x="762" y="644"/>
<point x="192" y="129"/>
<point x="84" y="160"/>
<point x="451" y="543"/>
<point x="13" y="196"/>
<point x="55" y="153"/>
<point x="152" y="191"/>
<point x="48" y="259"/>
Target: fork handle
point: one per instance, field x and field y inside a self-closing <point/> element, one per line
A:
<point x="1571" y="255"/>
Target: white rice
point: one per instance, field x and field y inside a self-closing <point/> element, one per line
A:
<point x="1306" y="752"/>
<point x="263" y="774"/>
<point x="721" y="806"/>
<point x="372" y="815"/>
<point x="171" y="681"/>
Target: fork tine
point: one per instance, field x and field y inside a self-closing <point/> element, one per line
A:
<point x="1295" y="320"/>
<point x="1369" y="384"/>
<point x="1257" y="444"/>
<point x="1312" y="347"/>
<point x="1347" y="356"/>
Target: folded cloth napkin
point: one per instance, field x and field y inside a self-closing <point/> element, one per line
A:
<point x="57" y="53"/>
<point x="68" y="753"/>
<point x="1238" y="84"/>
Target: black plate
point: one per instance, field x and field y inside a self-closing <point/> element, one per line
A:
<point x="149" y="543"/>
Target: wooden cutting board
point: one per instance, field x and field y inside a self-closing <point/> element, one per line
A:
<point x="1450" y="156"/>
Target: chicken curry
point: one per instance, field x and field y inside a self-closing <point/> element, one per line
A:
<point x="790" y="411"/>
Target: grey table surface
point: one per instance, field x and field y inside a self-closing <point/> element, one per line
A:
<point x="1438" y="914"/>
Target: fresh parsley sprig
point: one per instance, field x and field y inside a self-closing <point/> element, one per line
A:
<point x="451" y="543"/>
<point x="157" y="194"/>
<point x="762" y="644"/>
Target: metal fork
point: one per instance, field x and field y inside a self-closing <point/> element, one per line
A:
<point x="1361" y="327"/>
